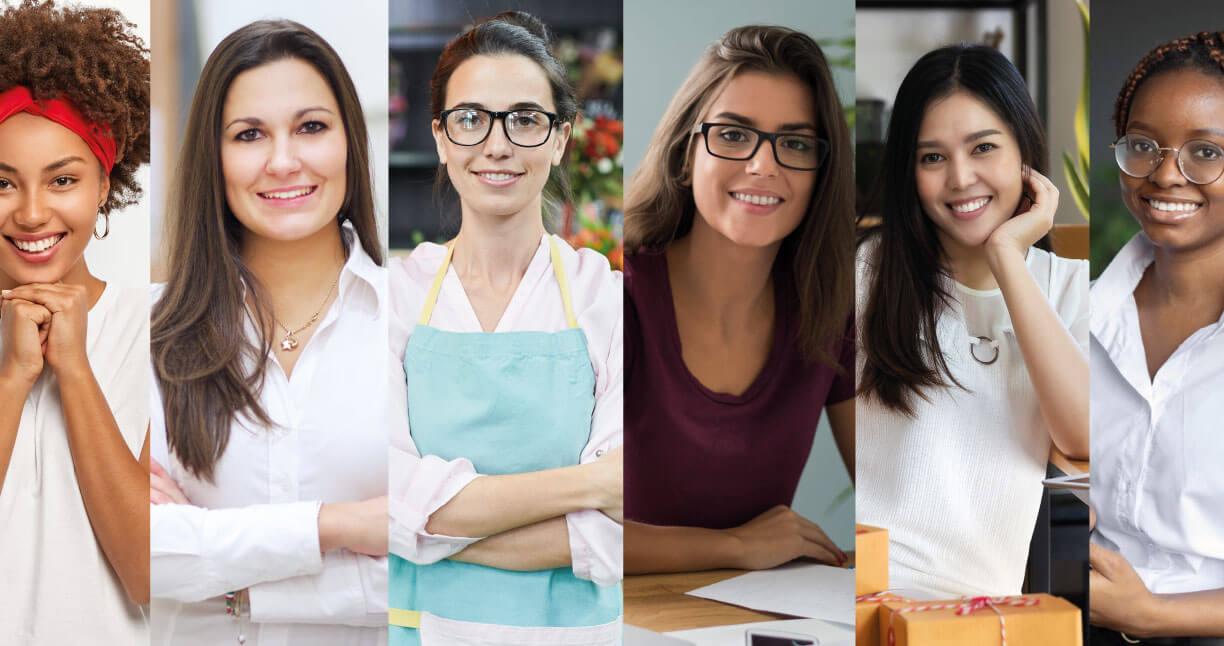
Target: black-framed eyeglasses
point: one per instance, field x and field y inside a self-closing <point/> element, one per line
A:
<point x="1200" y="161"/>
<point x="739" y="143"/>
<point x="471" y="126"/>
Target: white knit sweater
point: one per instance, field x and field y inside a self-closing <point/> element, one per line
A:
<point x="958" y="486"/>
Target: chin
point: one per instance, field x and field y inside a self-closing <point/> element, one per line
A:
<point x="290" y="229"/>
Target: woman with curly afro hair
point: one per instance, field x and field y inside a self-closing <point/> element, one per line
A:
<point x="74" y="352"/>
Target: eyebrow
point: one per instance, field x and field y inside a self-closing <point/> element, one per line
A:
<point x="521" y="105"/>
<point x="974" y="136"/>
<point x="56" y="165"/>
<point x="256" y="121"/>
<point x="748" y="121"/>
<point x="1200" y="132"/>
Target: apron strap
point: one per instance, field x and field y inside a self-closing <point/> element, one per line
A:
<point x="404" y="618"/>
<point x="431" y="298"/>
<point x="563" y="282"/>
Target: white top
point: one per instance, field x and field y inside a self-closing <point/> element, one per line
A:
<point x="1157" y="451"/>
<point x="56" y="585"/>
<point x="958" y="486"/>
<point x="420" y="486"/>
<point x="256" y="526"/>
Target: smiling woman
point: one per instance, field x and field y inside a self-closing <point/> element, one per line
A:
<point x="269" y="428"/>
<point x="1158" y="359"/>
<point x="505" y="473"/>
<point x="739" y="232"/>
<point x="972" y="336"/>
<point x="73" y="348"/>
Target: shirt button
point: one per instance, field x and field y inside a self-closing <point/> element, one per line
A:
<point x="599" y="453"/>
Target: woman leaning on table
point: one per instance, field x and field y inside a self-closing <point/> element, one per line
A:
<point x="738" y="284"/>
<point x="1157" y="553"/>
<point x="269" y="424"/>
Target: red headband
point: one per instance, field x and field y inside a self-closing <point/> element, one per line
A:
<point x="97" y="137"/>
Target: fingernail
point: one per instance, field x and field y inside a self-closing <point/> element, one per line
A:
<point x="5" y="292"/>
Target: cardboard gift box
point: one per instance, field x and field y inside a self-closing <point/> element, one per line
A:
<point x="870" y="559"/>
<point x="1026" y="620"/>
<point x="867" y="615"/>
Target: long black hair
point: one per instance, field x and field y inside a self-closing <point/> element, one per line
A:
<point x="908" y="278"/>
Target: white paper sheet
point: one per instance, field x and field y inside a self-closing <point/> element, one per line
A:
<point x="635" y="636"/>
<point x="797" y="589"/>
<point x="828" y="634"/>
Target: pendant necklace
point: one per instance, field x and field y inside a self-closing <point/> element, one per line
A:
<point x="290" y="342"/>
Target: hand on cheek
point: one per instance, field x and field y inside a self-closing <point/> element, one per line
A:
<point x="1024" y="229"/>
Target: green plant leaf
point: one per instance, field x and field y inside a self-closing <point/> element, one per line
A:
<point x="1078" y="184"/>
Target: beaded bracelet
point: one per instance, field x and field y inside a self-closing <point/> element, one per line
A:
<point x="238" y="606"/>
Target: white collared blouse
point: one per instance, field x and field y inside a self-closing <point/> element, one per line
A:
<point x="256" y="525"/>
<point x="422" y="485"/>
<point x="1157" y="446"/>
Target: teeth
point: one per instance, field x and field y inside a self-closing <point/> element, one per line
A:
<point x="969" y="207"/>
<point x="35" y="246"/>
<point x="1173" y="207"/>
<point x="289" y="195"/>
<point x="498" y="177"/>
<point x="759" y="200"/>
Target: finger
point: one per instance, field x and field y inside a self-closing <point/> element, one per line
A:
<point x="156" y="467"/>
<point x="157" y="497"/>
<point x="32" y="311"/>
<point x="1101" y="560"/>
<point x="820" y="553"/>
<point x="812" y="532"/>
<point x="51" y="297"/>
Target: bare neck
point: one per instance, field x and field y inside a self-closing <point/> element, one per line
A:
<point x="295" y="267"/>
<point x="497" y="249"/>
<point x="968" y="265"/>
<point x="723" y="281"/>
<point x="1180" y="278"/>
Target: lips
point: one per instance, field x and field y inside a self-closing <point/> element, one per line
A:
<point x="288" y="193"/>
<point x="969" y="208"/>
<point x="756" y="199"/>
<point x="36" y="249"/>
<point x="497" y="177"/>
<point x="1167" y="209"/>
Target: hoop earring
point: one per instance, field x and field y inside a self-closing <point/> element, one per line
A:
<point x="105" y="231"/>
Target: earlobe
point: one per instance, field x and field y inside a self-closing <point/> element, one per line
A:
<point x="439" y="141"/>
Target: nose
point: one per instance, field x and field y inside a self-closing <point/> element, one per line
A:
<point x="283" y="158"/>
<point x="961" y="174"/>
<point x="1167" y="174"/>
<point x="762" y="162"/>
<point x="31" y="212"/>
<point x="497" y="145"/>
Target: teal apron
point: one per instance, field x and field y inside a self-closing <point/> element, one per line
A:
<point x="510" y="402"/>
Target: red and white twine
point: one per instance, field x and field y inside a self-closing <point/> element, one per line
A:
<point x="966" y="607"/>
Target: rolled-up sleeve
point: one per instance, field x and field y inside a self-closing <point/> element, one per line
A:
<point x="419" y="486"/>
<point x="597" y="541"/>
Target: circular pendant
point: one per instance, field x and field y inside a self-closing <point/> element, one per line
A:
<point x="289" y="344"/>
<point x="991" y="352"/>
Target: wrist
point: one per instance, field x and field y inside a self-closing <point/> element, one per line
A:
<point x="74" y="369"/>
<point x="331" y="527"/>
<point x="1152" y="615"/>
<point x="18" y="380"/>
<point x="730" y="549"/>
<point x="594" y="490"/>
<point x="1000" y="253"/>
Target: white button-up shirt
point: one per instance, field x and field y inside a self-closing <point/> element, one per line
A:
<point x="256" y="525"/>
<point x="1157" y="447"/>
<point x="56" y="586"/>
<point x="421" y="486"/>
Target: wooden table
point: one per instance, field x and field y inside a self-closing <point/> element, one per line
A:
<point x="1065" y="464"/>
<point x="658" y="602"/>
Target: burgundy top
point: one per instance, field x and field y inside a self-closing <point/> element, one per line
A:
<point x="698" y="458"/>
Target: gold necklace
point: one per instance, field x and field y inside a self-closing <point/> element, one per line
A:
<point x="290" y="342"/>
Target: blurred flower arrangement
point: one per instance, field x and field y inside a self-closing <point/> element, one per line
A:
<point x="596" y="169"/>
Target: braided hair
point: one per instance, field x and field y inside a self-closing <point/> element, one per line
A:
<point x="1203" y="51"/>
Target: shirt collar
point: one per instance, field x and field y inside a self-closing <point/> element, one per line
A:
<point x="362" y="274"/>
<point x="1116" y="285"/>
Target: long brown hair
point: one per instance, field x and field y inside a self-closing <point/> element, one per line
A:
<point x="209" y="371"/>
<point x="818" y="254"/>
<point x="907" y="284"/>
